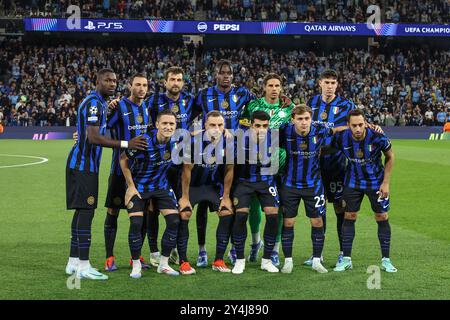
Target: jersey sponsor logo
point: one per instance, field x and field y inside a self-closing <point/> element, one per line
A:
<point x="138" y="127"/>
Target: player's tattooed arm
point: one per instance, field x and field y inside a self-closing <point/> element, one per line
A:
<point x="131" y="190"/>
<point x="185" y="183"/>
<point x="94" y="137"/>
<point x="388" y="165"/>
<point x="228" y="181"/>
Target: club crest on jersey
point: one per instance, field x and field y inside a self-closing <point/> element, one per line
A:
<point x="139" y="118"/>
<point x="225" y="104"/>
<point x="336" y="110"/>
<point x="282" y="114"/>
<point x="360" y="153"/>
<point x="166" y="155"/>
<point x="323" y="115"/>
<point x="303" y="145"/>
<point x="130" y="205"/>
<point x="235" y="201"/>
<point x="90" y="200"/>
<point x="175" y="108"/>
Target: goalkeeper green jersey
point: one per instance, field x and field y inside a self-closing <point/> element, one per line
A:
<point x="278" y="117"/>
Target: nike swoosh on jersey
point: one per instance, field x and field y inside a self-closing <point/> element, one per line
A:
<point x="125" y="114"/>
<point x="211" y="100"/>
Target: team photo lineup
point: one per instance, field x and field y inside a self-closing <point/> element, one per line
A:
<point x="325" y="151"/>
<point x="207" y="157"/>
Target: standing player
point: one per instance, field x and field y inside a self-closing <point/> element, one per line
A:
<point x="207" y="178"/>
<point x="365" y="175"/>
<point x="147" y="179"/>
<point x="229" y="101"/>
<point x="252" y="180"/>
<point x="302" y="181"/>
<point x="129" y="119"/>
<point x="331" y="110"/>
<point x="83" y="168"/>
<point x="280" y="114"/>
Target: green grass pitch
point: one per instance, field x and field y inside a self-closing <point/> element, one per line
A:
<point x="35" y="226"/>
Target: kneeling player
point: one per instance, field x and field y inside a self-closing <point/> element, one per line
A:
<point x="147" y="180"/>
<point x="207" y="179"/>
<point x="365" y="175"/>
<point x="253" y="180"/>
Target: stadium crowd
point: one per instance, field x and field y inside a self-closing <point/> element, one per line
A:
<point x="408" y="11"/>
<point x="42" y="85"/>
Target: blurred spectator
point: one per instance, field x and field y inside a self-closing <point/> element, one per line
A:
<point x="44" y="84"/>
<point x="419" y="11"/>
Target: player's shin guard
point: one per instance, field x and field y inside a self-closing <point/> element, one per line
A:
<point x="239" y="233"/>
<point x="270" y="234"/>
<point x="74" y="237"/>
<point x="110" y="231"/>
<point x="384" y="236"/>
<point x="223" y="235"/>
<point x="339" y="223"/>
<point x="348" y="235"/>
<point x="317" y="237"/>
<point x="135" y="236"/>
<point x="182" y="239"/>
<point x="169" y="238"/>
<point x="287" y="240"/>
<point x="201" y="219"/>
<point x="152" y="230"/>
<point x="84" y="224"/>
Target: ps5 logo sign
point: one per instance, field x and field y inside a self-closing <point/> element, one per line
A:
<point x="202" y="27"/>
<point x="104" y="25"/>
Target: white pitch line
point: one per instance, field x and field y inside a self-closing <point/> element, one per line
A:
<point x="42" y="160"/>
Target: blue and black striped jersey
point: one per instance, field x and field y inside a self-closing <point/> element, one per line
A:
<point x="183" y="107"/>
<point x="302" y="155"/>
<point x="333" y="114"/>
<point x="230" y="104"/>
<point x="85" y="156"/>
<point x="209" y="161"/>
<point x="257" y="157"/>
<point x="150" y="167"/>
<point x="126" y="122"/>
<point x="365" y="169"/>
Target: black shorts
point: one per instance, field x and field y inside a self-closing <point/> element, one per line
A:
<point x="117" y="188"/>
<point x="163" y="199"/>
<point x="174" y="178"/>
<point x="333" y="181"/>
<point x="354" y="197"/>
<point x="266" y="192"/>
<point x="81" y="189"/>
<point x="209" y="194"/>
<point x="313" y="199"/>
